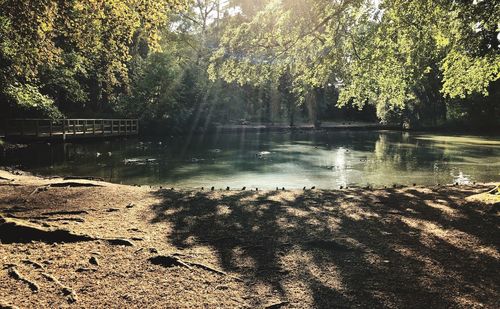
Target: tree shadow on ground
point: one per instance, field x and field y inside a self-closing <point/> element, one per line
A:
<point x="355" y="248"/>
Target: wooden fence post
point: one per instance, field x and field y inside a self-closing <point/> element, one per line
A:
<point x="64" y="129"/>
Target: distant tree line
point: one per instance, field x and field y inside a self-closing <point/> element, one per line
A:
<point x="189" y="64"/>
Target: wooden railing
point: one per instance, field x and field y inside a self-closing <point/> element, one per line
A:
<point x="69" y="128"/>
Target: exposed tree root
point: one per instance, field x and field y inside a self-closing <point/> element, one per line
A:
<point x="73" y="184"/>
<point x="66" y="291"/>
<point x="73" y="212"/>
<point x="171" y="261"/>
<point x="208" y="268"/>
<point x="76" y="219"/>
<point x="14" y="273"/>
<point x="168" y="261"/>
<point x="81" y="220"/>
<point x="83" y="178"/>
<point x="34" y="264"/>
<point x="276" y="305"/>
<point x="119" y="242"/>
<point x="495" y="191"/>
<point x="20" y="231"/>
<point x="84" y="269"/>
<point x="49" y="219"/>
<point x="39" y="189"/>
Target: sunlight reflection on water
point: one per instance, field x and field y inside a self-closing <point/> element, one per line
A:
<point x="269" y="160"/>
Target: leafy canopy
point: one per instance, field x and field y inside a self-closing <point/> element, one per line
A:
<point x="393" y="55"/>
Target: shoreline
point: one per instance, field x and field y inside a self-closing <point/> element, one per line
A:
<point x="142" y="247"/>
<point x="282" y="128"/>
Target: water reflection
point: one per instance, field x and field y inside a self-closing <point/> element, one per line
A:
<point x="269" y="160"/>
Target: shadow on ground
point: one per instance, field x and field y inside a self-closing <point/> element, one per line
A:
<point x="328" y="249"/>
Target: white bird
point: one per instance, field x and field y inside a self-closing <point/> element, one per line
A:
<point x="98" y="154"/>
<point x="109" y="154"/>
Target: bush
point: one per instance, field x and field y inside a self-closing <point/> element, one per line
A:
<point x="29" y="98"/>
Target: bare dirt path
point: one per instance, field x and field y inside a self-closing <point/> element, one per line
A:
<point x="82" y="243"/>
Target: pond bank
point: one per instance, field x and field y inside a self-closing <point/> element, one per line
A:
<point x="395" y="248"/>
<point x="280" y="127"/>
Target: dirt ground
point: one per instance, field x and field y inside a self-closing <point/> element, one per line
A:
<point x="78" y="243"/>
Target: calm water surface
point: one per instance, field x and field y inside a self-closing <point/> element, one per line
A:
<point x="267" y="160"/>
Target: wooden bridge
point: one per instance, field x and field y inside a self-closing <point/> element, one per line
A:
<point x="63" y="129"/>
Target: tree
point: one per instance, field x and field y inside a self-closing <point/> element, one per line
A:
<point x="75" y="51"/>
<point x="407" y="58"/>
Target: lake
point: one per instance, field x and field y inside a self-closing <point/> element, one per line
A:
<point x="325" y="159"/>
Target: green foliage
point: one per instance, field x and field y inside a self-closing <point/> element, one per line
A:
<point x="155" y="85"/>
<point x="465" y="75"/>
<point x="77" y="51"/>
<point x="29" y="97"/>
<point x="405" y="57"/>
<point x="417" y="61"/>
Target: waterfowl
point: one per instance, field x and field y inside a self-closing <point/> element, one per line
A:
<point x="256" y="189"/>
<point x="227" y="188"/>
<point x="98" y="154"/>
<point x="213" y="188"/>
<point x="202" y="188"/>
<point x="341" y="187"/>
<point x="283" y="189"/>
<point x="243" y="189"/>
<point x="304" y="188"/>
<point x="313" y="187"/>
